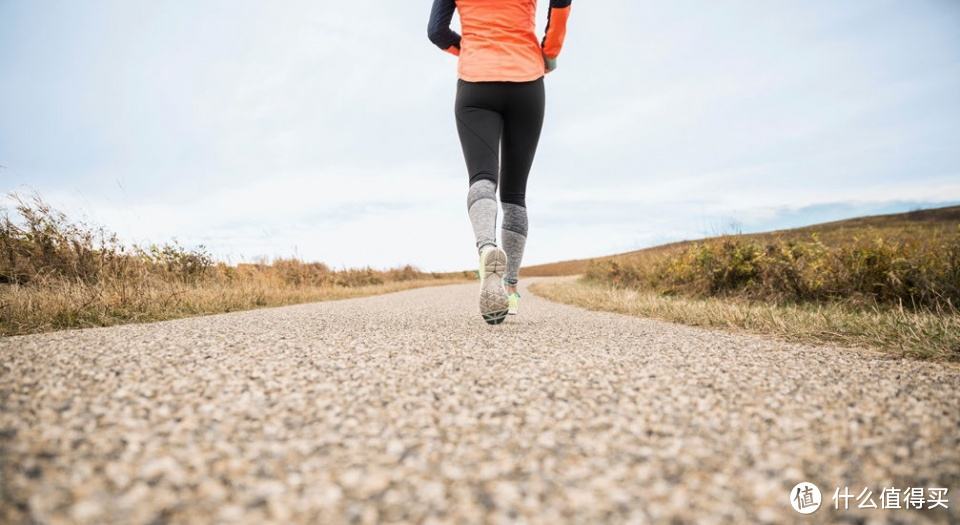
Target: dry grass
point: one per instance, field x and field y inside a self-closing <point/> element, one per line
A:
<point x="898" y="331"/>
<point x="894" y="227"/>
<point x="27" y="309"/>
<point x="919" y="272"/>
<point x="890" y="282"/>
<point x="56" y="274"/>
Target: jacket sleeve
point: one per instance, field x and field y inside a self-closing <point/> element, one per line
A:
<point x="556" y="28"/>
<point x="438" y="30"/>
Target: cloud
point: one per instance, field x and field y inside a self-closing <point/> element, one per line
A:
<point x="326" y="129"/>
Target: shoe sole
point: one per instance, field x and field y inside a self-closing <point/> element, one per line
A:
<point x="493" y="297"/>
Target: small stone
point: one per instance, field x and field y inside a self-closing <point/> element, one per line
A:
<point x="86" y="511"/>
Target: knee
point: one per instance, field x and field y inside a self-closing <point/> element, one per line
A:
<point x="517" y="199"/>
<point x="483" y="175"/>
<point x="481" y="189"/>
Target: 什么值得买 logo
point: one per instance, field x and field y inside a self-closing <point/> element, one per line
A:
<point x="805" y="497"/>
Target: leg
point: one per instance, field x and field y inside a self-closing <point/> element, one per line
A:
<point x="482" y="208"/>
<point x="513" y="233"/>
<point x="479" y="127"/>
<point x="523" y="121"/>
<point x="480" y="124"/>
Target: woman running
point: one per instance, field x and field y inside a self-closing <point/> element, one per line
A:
<point x="499" y="110"/>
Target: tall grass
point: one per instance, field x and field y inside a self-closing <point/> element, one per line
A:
<point x="896" y="292"/>
<point x="917" y="224"/>
<point x="56" y="273"/>
<point x="918" y="273"/>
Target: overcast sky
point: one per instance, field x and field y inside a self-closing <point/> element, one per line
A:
<point x="325" y="129"/>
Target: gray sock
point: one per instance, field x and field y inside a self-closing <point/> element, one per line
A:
<point x="514" y="235"/>
<point x="482" y="207"/>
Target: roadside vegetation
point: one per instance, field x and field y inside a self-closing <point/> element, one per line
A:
<point x="56" y="274"/>
<point x="888" y="282"/>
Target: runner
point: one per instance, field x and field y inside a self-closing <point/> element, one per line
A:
<point x="499" y="111"/>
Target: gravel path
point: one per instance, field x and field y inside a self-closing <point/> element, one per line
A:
<point x="407" y="407"/>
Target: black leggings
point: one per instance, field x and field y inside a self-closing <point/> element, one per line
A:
<point x="499" y="125"/>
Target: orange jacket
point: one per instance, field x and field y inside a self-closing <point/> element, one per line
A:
<point x="499" y="41"/>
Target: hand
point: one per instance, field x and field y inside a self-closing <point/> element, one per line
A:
<point x="549" y="63"/>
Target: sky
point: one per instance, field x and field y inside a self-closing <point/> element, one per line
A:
<point x="325" y="130"/>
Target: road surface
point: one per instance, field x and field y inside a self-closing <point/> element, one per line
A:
<point x="407" y="407"/>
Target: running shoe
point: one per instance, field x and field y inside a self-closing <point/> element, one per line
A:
<point x="493" y="297"/>
<point x="513" y="301"/>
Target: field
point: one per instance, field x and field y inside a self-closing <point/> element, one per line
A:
<point x="890" y="282"/>
<point x="939" y="221"/>
<point x="57" y="274"/>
